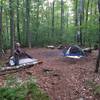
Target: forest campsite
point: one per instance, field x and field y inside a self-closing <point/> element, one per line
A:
<point x="49" y="49"/>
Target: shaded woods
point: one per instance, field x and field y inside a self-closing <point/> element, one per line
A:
<point x="42" y="22"/>
<point x="44" y="29"/>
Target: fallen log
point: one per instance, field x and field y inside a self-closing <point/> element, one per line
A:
<point x="87" y="50"/>
<point x="13" y="69"/>
<point x="51" y="47"/>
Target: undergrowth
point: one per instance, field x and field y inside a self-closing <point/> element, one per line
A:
<point x="17" y="89"/>
<point x="95" y="87"/>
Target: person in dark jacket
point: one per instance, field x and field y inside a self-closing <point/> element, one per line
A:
<point x="19" y="53"/>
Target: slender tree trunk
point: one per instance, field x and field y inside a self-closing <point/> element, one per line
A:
<point x="76" y="12"/>
<point x="23" y="36"/>
<point x="18" y="29"/>
<point x="28" y="33"/>
<point x="62" y="17"/>
<point x="87" y="11"/>
<point x="7" y="37"/>
<point x="37" y="20"/>
<point x="67" y="19"/>
<point x="98" y="58"/>
<point x="53" y="17"/>
<point x="81" y="20"/>
<point x="76" y="18"/>
<point x="1" y="44"/>
<point x="86" y="20"/>
<point x="91" y="11"/>
<point x="49" y="21"/>
<point x="7" y="23"/>
<point x="95" y="12"/>
<point x="12" y="28"/>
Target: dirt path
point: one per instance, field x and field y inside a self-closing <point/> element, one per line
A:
<point x="63" y="78"/>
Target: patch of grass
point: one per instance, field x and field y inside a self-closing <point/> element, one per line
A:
<point x="22" y="91"/>
<point x="94" y="86"/>
<point x="1" y="64"/>
<point x="97" y="90"/>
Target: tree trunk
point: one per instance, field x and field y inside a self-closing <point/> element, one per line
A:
<point x="23" y="36"/>
<point x="1" y="45"/>
<point x="86" y="20"/>
<point x="95" y="12"/>
<point x="67" y="19"/>
<point x="37" y="21"/>
<point x="76" y="11"/>
<point x="12" y="28"/>
<point x="53" y="17"/>
<point x="27" y="21"/>
<point x="87" y="9"/>
<point x="91" y="11"/>
<point x="7" y="37"/>
<point x="81" y="20"/>
<point x="7" y="29"/>
<point x="98" y="58"/>
<point x="62" y="17"/>
<point x="18" y="29"/>
<point x="76" y="19"/>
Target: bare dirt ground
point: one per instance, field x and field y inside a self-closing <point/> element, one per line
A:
<point x="63" y="78"/>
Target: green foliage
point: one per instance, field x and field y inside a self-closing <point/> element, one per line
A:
<point x="41" y="26"/>
<point x="94" y="86"/>
<point x="97" y="90"/>
<point x="14" y="90"/>
<point x="21" y="92"/>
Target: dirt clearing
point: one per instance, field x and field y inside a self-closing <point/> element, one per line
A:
<point x="63" y="78"/>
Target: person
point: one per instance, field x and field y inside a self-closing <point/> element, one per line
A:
<point x="19" y="53"/>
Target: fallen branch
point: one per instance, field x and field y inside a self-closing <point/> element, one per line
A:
<point x="51" y="47"/>
<point x="13" y="69"/>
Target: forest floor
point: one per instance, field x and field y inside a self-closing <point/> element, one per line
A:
<point x="63" y="78"/>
